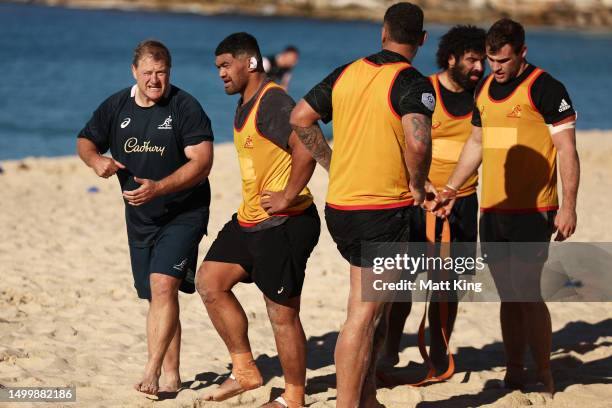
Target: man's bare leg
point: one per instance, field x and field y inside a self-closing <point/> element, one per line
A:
<point x="536" y="321"/>
<point x="538" y="329"/>
<point x="511" y="320"/>
<point x="368" y="392"/>
<point x="397" y="319"/>
<point x="291" y="347"/>
<point x="515" y="344"/>
<point x="172" y="376"/>
<point x="163" y="320"/>
<point x="214" y="283"/>
<point x="354" y="348"/>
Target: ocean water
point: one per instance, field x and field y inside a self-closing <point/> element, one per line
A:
<point x="57" y="65"/>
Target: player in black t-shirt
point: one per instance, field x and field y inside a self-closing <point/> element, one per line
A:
<point x="160" y="142"/>
<point x="279" y="66"/>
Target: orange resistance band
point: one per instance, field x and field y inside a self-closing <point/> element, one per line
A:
<point x="431" y="376"/>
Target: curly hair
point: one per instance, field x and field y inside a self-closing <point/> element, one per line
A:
<point x="457" y="41"/>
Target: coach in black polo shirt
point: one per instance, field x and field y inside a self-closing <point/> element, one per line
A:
<point x="160" y="141"/>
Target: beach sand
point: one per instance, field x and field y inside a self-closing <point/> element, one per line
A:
<point x="70" y="316"/>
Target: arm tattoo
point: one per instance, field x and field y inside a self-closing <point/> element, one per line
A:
<point x="421" y="129"/>
<point x="313" y="139"/>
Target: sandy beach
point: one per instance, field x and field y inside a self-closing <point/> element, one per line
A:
<point x="70" y="316"/>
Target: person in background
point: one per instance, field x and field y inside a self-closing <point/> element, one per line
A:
<point x="279" y="66"/>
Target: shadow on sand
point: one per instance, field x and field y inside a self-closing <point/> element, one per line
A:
<point x="575" y="337"/>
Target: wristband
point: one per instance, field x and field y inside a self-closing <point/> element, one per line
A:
<point x="448" y="186"/>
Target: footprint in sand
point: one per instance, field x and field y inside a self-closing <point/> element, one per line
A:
<point x="64" y="333"/>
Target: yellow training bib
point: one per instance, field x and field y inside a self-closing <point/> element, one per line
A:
<point x="519" y="165"/>
<point x="367" y="169"/>
<point x="263" y="166"/>
<point x="448" y="135"/>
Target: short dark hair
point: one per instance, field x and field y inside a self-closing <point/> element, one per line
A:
<point x="404" y="22"/>
<point x="505" y="31"/>
<point x="239" y="44"/>
<point x="292" y="48"/>
<point x="155" y="49"/>
<point x="459" y="40"/>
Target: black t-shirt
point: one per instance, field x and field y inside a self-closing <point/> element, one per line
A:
<point x="273" y="116"/>
<point x="411" y="92"/>
<point x="276" y="73"/>
<point x="457" y="103"/>
<point x="548" y="95"/>
<point x="150" y="143"/>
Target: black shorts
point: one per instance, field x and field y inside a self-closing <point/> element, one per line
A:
<point x="174" y="252"/>
<point x="517" y="235"/>
<point x="463" y="221"/>
<point x="351" y="229"/>
<point x="275" y="258"/>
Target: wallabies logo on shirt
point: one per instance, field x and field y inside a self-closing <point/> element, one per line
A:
<point x="167" y="125"/>
<point x="481" y="109"/>
<point x="248" y="144"/>
<point x="516" y="112"/>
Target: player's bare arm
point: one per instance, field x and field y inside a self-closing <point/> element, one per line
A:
<point x="569" y="170"/>
<point x="304" y="123"/>
<point x="302" y="167"/>
<point x="417" y="134"/>
<point x="103" y="166"/>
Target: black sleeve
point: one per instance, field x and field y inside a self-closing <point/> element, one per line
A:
<point x="98" y="128"/>
<point x="476" y="117"/>
<point x="475" y="112"/>
<point x="194" y="126"/>
<point x="412" y="93"/>
<point x="551" y="99"/>
<point x="320" y="97"/>
<point x="273" y="117"/>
